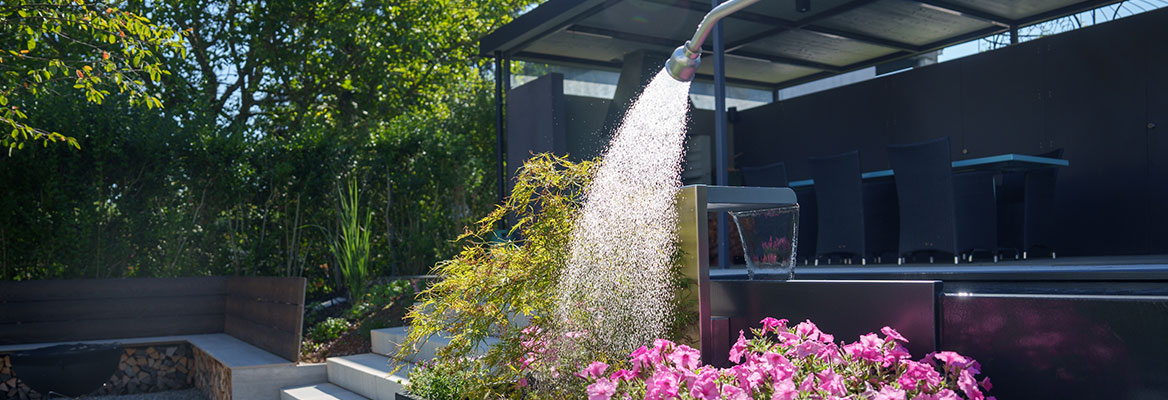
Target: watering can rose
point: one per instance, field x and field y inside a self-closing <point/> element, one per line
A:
<point x="785" y="363"/>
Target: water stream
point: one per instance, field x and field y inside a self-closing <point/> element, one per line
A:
<point x="617" y="280"/>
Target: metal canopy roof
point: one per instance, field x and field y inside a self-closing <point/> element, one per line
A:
<point x="768" y="44"/>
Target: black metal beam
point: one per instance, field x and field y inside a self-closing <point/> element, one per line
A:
<point x="807" y="24"/>
<point x="978" y="34"/>
<point x="743" y="15"/>
<point x="1064" y="11"/>
<point x="626" y="36"/>
<point x="616" y="66"/>
<point x="558" y="27"/>
<point x="967" y="12"/>
<point x="860" y="37"/>
<point x="787" y="60"/>
<point x="670" y="43"/>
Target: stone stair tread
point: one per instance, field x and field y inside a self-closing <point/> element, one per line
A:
<point x="323" y="391"/>
<point x="386" y="342"/>
<point x="368" y="375"/>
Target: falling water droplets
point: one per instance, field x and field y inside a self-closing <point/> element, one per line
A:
<point x="624" y="239"/>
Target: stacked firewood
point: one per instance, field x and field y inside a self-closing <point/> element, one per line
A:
<point x="212" y="378"/>
<point x="152" y="369"/>
<point x="10" y="386"/>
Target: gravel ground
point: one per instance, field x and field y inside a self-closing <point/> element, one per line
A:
<point x="189" y="394"/>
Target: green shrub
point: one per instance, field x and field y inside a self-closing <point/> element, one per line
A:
<point x="383" y="295"/>
<point x="491" y="281"/>
<point x="350" y="243"/>
<point x="443" y="380"/>
<point x="328" y="329"/>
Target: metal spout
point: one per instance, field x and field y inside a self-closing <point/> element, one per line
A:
<point x="684" y="62"/>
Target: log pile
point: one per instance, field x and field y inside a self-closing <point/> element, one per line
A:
<point x="212" y="378"/>
<point x="144" y="369"/>
<point x="10" y="386"/>
<point x="151" y="369"/>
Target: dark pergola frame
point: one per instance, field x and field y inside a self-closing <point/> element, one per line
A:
<point x="508" y="43"/>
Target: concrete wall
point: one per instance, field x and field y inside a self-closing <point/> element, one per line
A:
<point x="1101" y="93"/>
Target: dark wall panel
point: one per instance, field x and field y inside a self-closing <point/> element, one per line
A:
<point x="1157" y="132"/>
<point x="1095" y="109"/>
<point x="1062" y="347"/>
<point x="1092" y="92"/>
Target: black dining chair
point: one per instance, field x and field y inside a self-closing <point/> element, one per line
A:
<point x="1026" y="219"/>
<point x="881" y="220"/>
<point x="932" y="206"/>
<point x="839" y="195"/>
<point x="770" y="175"/>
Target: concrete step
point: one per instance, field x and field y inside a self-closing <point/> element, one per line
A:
<point x="323" y="391"/>
<point x="386" y="342"/>
<point x="368" y="375"/>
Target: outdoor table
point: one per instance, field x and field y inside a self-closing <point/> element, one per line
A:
<point x="998" y="163"/>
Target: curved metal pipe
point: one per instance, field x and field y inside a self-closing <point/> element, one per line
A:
<point x="684" y="62"/>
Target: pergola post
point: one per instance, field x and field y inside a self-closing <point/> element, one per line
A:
<point x="720" y="165"/>
<point x="502" y="70"/>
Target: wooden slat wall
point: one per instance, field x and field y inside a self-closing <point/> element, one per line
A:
<point x="90" y="309"/>
<point x="266" y="312"/>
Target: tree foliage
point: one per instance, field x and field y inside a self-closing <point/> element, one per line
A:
<point x="492" y="287"/>
<point x="274" y="104"/>
<point x="49" y="45"/>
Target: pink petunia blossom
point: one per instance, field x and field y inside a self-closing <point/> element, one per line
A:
<point x="685" y="357"/>
<point x="706" y="385"/>
<point x="594" y="370"/>
<point x="738" y="349"/>
<point x="785" y="390"/>
<point x="734" y="393"/>
<point x="831" y="382"/>
<point x="662" y="385"/>
<point x="917" y="372"/>
<point x="890" y="393"/>
<point x="773" y="325"/>
<point x="623" y="374"/>
<point x="968" y="385"/>
<point x="602" y="389"/>
<point x="892" y="334"/>
<point x="952" y="359"/>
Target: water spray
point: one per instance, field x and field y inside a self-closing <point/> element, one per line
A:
<point x="684" y="62"/>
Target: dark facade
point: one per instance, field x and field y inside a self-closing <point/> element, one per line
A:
<point x="1101" y="93"/>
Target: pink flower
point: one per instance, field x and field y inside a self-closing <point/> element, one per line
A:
<point x="802" y="350"/>
<point x="662" y="345"/>
<point x="785" y="390"/>
<point x="594" y="370"/>
<point x="685" y="357"/>
<point x="734" y="393"/>
<point x="985" y="383"/>
<point x="739" y="348"/>
<point x="706" y="385"/>
<point x="807" y="329"/>
<point x="917" y="372"/>
<point x="778" y="366"/>
<point x="573" y="335"/>
<point x="808" y="384"/>
<point x="623" y="374"/>
<point x="966" y="383"/>
<point x="889" y="393"/>
<point x="662" y="385"/>
<point x="831" y="382"/>
<point x="748" y="378"/>
<point x="892" y="334"/>
<point x="603" y="389"/>
<point x="952" y="359"/>
<point x="644" y="358"/>
<point x="773" y="325"/>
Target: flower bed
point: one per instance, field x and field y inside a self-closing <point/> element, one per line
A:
<point x="799" y="362"/>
